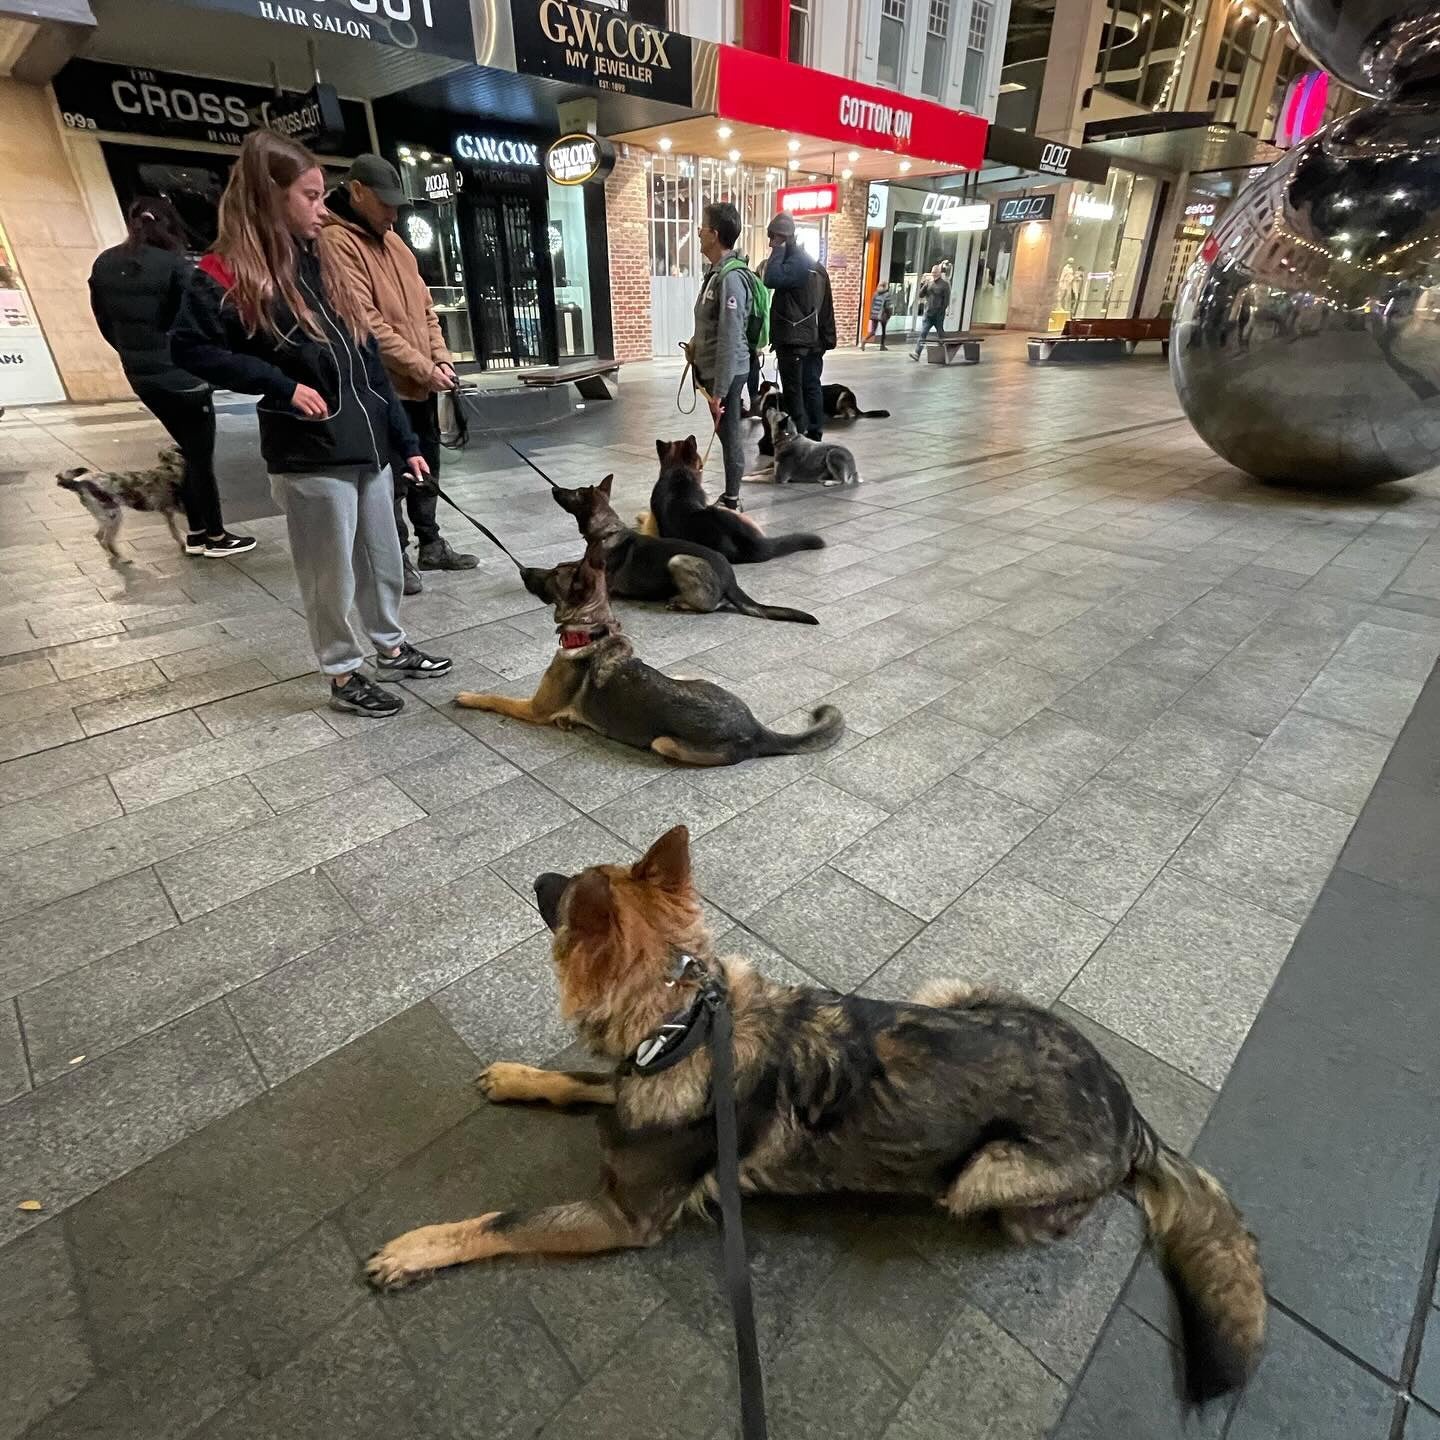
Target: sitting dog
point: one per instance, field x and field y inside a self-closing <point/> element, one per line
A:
<point x="680" y="512"/>
<point x="981" y="1102"/>
<point x="107" y="494"/>
<point x="798" y="459"/>
<point x="689" y="576"/>
<point x="596" y="680"/>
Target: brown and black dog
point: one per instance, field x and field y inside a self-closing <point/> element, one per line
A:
<point x="598" y="681"/>
<point x="981" y="1102"/>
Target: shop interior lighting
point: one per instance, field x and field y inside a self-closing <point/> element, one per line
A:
<point x="724" y="132"/>
<point x="846" y="174"/>
<point x="904" y="166"/>
<point x="734" y="156"/>
<point x="792" y="145"/>
<point x="853" y="156"/>
<point x="424" y="154"/>
<point x="794" y="163"/>
<point x="665" y="142"/>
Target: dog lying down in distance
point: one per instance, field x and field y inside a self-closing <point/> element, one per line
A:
<point x="981" y="1102"/>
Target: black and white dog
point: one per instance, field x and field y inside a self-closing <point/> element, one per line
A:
<point x="107" y="494"/>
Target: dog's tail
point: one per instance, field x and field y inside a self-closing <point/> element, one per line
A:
<point x="1212" y="1263"/>
<point x="748" y="605"/>
<point x="771" y="547"/>
<point x="872" y="414"/>
<point x="825" y="730"/>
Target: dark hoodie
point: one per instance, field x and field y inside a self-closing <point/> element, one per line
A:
<point x="365" y="423"/>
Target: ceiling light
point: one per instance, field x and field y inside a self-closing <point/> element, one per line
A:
<point x="809" y="177"/>
<point x="853" y="156"/>
<point x="424" y="154"/>
<point x="846" y="174"/>
<point x="405" y="151"/>
<point x="1399" y="194"/>
<point x="904" y="166"/>
<point x="665" y="142"/>
<point x="724" y="132"/>
<point x="734" y="155"/>
<point x="794" y="163"/>
<point x="792" y="146"/>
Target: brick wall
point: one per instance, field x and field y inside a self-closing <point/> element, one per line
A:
<point x="626" y="200"/>
<point x="845" y="259"/>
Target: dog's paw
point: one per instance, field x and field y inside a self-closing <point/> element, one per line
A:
<point x="396" y="1265"/>
<point x="506" y="1080"/>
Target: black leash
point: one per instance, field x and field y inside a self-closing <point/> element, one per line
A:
<point x="516" y="449"/>
<point x="485" y="530"/>
<point x="709" y="1018"/>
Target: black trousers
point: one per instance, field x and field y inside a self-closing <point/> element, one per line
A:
<point x="189" y="418"/>
<point x="800" y="382"/>
<point x="812" y="366"/>
<point x="425" y="422"/>
<point x="732" y="441"/>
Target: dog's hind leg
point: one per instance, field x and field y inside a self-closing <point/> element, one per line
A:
<point x="1036" y="1195"/>
<point x="697" y="587"/>
<point x="678" y="750"/>
<point x="173" y="521"/>
<point x="109" y="529"/>
<point x="506" y="1081"/>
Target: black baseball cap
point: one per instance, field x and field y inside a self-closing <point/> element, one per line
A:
<point x="378" y="175"/>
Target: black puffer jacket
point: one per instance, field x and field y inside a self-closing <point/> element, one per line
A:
<point x="136" y="296"/>
<point x="365" y="423"/>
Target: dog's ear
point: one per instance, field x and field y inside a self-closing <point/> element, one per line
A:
<point x="604" y="486"/>
<point x="667" y="862"/>
<point x="591" y="904"/>
<point x="692" y="450"/>
<point x="661" y="446"/>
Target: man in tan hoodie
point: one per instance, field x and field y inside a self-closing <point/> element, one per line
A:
<point x="359" y="236"/>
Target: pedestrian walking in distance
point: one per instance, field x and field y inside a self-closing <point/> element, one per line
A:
<point x="135" y="293"/>
<point x="935" y="296"/>
<point x="882" y="307"/>
<point x="266" y="315"/>
<point x="360" y="240"/>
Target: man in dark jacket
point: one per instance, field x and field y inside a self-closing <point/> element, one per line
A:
<point x="802" y="324"/>
<point x="935" y="294"/>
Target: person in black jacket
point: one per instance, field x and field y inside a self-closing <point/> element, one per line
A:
<point x="802" y="324"/>
<point x="135" y="292"/>
<point x="265" y="316"/>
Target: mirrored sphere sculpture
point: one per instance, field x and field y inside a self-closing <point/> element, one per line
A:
<point x="1306" y="343"/>
<point x="1378" y="47"/>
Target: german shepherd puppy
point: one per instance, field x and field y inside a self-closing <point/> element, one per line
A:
<point x="689" y="576"/>
<point x="981" y="1102"/>
<point x="596" y="680"/>
<point x="799" y="460"/>
<point x="681" y="512"/>
<point x="108" y="494"/>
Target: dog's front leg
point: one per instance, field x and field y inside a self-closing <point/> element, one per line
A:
<point x="507" y="1081"/>
<point x="501" y="705"/>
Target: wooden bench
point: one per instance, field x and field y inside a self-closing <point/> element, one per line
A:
<point x="594" y="379"/>
<point x="944" y="351"/>
<point x="1099" y="339"/>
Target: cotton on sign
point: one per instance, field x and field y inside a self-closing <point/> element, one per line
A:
<point x="886" y="120"/>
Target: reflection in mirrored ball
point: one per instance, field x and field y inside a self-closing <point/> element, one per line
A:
<point x="1306" y="344"/>
<point x="1378" y="47"/>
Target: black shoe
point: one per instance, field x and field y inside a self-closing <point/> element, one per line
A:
<point x="412" y="578"/>
<point x="731" y="502"/>
<point x="361" y="696"/>
<point x="226" y="545"/>
<point x="437" y="555"/>
<point x="410" y="664"/>
<point x="816" y="435"/>
<point x="914" y="354"/>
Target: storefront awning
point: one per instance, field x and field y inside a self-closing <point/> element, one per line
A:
<point x="38" y="36"/>
<point x="1178" y="141"/>
<point x="1046" y="157"/>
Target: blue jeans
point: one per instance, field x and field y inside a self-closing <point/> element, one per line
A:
<point x="929" y="323"/>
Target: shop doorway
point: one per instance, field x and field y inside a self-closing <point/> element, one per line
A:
<point x="504" y="244"/>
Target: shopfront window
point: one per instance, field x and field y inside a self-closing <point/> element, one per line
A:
<point x="1143" y="49"/>
<point x="800" y="15"/>
<point x="432" y="230"/>
<point x="1102" y="249"/>
<point x="937" y="43"/>
<point x="28" y="376"/>
<point x="892" y="41"/>
<point x="570" y="260"/>
<point x="972" y="80"/>
<point x="1247" y="37"/>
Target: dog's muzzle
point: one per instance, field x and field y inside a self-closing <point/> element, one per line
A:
<point x="548" y="890"/>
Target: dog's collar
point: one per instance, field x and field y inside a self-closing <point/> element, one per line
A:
<point x="686" y="1030"/>
<point x="579" y="637"/>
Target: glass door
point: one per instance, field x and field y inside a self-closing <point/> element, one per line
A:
<point x="506" y="287"/>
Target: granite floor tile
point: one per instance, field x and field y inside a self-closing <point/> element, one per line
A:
<point x="1402" y="654"/>
<point x="1118" y="700"/>
<point x="77" y="807"/>
<point x="879" y="699"/>
<point x="524" y="745"/>
<point x="107" y="652"/>
<point x="65" y="1140"/>
<point x="643" y="815"/>
<point x="1364" y="698"/>
<point x="391" y="873"/>
<point x="119" y="711"/>
<point x="38" y="733"/>
<point x="1322" y="760"/>
<point x="1043" y="761"/>
<point x="1101" y="848"/>
<point x="1426" y="1383"/>
<point x="1184" y="974"/>
<point x="1254" y="686"/>
<point x="892" y="768"/>
<point x="107" y="1004"/>
<point x="1186" y="759"/>
<point x="14" y="1069"/>
<point x="509" y="1009"/>
<point x="969" y="649"/>
<point x="925" y="856"/>
<point x="874" y="646"/>
<point x="836" y="930"/>
<point x="44" y="1359"/>
<point x="27" y="675"/>
<point x="1075" y="650"/>
<point x="1422" y="1423"/>
<point x="1002" y="697"/>
<point x="1040" y="612"/>
<point x="599" y="771"/>
<point x="568" y="849"/>
<point x="223" y="718"/>
<point x="66" y="694"/>
<point x="1266" y="846"/>
<point x="236" y="866"/>
<point x="1000" y="932"/>
<point x="751" y="781"/>
<point x="73" y="863"/>
<point x="441" y="780"/>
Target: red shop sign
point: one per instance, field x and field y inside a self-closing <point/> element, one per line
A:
<point x="808" y="201"/>
<point x="761" y="90"/>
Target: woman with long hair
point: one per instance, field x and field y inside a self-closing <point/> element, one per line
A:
<point x="135" y="292"/>
<point x="267" y="315"/>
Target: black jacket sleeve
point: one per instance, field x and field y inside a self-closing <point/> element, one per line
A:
<point x="826" y="310"/>
<point x="402" y="435"/>
<point x="101" y="312"/>
<point x="788" y="268"/>
<point x="209" y="341"/>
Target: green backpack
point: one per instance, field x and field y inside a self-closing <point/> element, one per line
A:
<point x="757" y="325"/>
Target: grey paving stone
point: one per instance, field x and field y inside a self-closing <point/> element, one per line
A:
<point x="107" y="1004"/>
<point x="1176" y="1104"/>
<point x="1001" y="932"/>
<point x="1040" y="612"/>
<point x="38" y="733"/>
<point x="1363" y="698"/>
<point x="63" y="1141"/>
<point x="1266" y="846"/>
<point x="874" y="646"/>
<point x="1422" y="1423"/>
<point x="900" y="763"/>
<point x="1426" y="1383"/>
<point x="643" y="815"/>
<point x="1184" y="974"/>
<point x="836" y="930"/>
<point x="72" y="863"/>
<point x="1002" y="697"/>
<point x="1322" y="760"/>
<point x="1188" y="759"/>
<point x="969" y="649"/>
<point x="115" y="713"/>
<point x="1254" y="686"/>
<point x="762" y="852"/>
<point x="1390" y="651"/>
<point x="27" y="675"/>
<point x="65" y="695"/>
<point x="518" y="741"/>
<point x="300" y="1012"/>
<point x="393" y="872"/>
<point x="1118" y="699"/>
<point x="746" y="784"/>
<point x="1077" y="649"/>
<point x="599" y="771"/>
<point x="439" y="781"/>
<point x="44" y="1359"/>
<point x="926" y="855"/>
<point x="360" y="1112"/>
<point x="1101" y="848"/>
<point x="1007" y="1394"/>
<point x="1333" y="1155"/>
<point x="1306" y="1387"/>
<point x="223" y="718"/>
<point x="568" y="849"/>
<point x="1394" y="840"/>
<point x="106" y="652"/>
<point x="77" y="807"/>
<point x="1043" y="761"/>
<point x="509" y="1009"/>
<point x="14" y="1069"/>
<point x="886" y="695"/>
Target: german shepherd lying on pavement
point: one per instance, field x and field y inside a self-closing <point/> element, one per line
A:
<point x="682" y="512"/>
<point x="799" y="460"/>
<point x="639" y="567"/>
<point x="983" y="1103"/>
<point x="596" y="680"/>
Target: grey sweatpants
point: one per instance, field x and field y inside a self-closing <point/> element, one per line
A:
<point x="346" y="552"/>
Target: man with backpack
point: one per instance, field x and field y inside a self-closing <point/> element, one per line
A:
<point x="803" y="324"/>
<point x="732" y="317"/>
